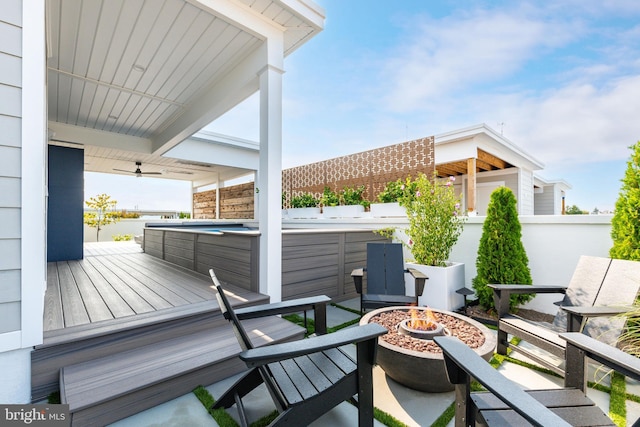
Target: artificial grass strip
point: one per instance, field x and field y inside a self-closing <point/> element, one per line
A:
<point x="266" y="420"/>
<point x="54" y="398"/>
<point x="311" y="326"/>
<point x="387" y="419"/>
<point x="343" y="325"/>
<point x="617" y="400"/>
<point x="446" y="417"/>
<point x="220" y="415"/>
<point x="342" y="307"/>
<point x="299" y="320"/>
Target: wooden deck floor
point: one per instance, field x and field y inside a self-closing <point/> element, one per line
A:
<point x="117" y="280"/>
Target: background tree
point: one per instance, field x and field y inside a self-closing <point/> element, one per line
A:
<point x="625" y="225"/>
<point x="502" y="258"/>
<point x="102" y="214"/>
<point x="574" y="210"/>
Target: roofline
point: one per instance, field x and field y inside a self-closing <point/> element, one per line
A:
<point x="478" y="129"/>
<point x="560" y="182"/>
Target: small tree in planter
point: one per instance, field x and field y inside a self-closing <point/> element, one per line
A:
<point x="435" y="222"/>
<point x="625" y="225"/>
<point x="502" y="258"/>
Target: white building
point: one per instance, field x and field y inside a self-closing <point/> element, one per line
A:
<point x="483" y="160"/>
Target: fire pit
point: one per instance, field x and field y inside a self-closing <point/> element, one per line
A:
<point x="408" y="354"/>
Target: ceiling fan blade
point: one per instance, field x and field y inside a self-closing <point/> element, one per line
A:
<point x="122" y="170"/>
<point x="151" y="173"/>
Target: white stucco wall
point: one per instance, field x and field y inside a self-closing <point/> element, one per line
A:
<point x="553" y="243"/>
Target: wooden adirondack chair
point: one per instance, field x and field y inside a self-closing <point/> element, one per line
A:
<point x="599" y="287"/>
<point x="305" y="378"/>
<point x="507" y="404"/>
<point x="385" y="278"/>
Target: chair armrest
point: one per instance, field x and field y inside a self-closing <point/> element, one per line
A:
<point x="273" y="353"/>
<point x="529" y="289"/>
<point x="417" y="274"/>
<point x="462" y="363"/>
<point x="420" y="279"/>
<point x="580" y="346"/>
<point x="317" y="303"/>
<point x="502" y="293"/>
<point x="357" y="278"/>
<point x="577" y="314"/>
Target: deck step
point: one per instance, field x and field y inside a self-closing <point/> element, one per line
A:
<point x="75" y="345"/>
<point x="113" y="387"/>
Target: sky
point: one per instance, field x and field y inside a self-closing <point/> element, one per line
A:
<point x="560" y="79"/>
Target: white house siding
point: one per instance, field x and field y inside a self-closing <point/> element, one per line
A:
<point x="10" y="160"/>
<point x="508" y="178"/>
<point x="525" y="200"/>
<point x="22" y="190"/>
<point x="544" y="201"/>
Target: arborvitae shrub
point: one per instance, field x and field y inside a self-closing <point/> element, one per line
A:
<point x="501" y="255"/>
<point x="625" y="225"/>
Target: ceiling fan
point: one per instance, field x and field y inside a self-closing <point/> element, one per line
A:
<point x="138" y="172"/>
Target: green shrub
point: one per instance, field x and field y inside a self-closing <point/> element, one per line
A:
<point x="435" y="220"/>
<point x="305" y="200"/>
<point x="397" y="191"/>
<point x="353" y="196"/>
<point x="502" y="258"/>
<point x="625" y="225"/>
<point x="329" y="197"/>
<point x="122" y="237"/>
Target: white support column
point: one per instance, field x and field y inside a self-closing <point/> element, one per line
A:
<point x="269" y="184"/>
<point x="218" y="195"/>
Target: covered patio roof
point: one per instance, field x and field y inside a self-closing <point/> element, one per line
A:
<point x="130" y="80"/>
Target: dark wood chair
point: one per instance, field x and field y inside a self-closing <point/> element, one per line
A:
<point x="305" y="378"/>
<point x="507" y="404"/>
<point x="599" y="288"/>
<point x="385" y="278"/>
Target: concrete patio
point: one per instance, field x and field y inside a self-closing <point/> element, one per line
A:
<point x="411" y="407"/>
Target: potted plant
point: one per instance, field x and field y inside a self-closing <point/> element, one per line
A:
<point x="304" y="205"/>
<point x="435" y="223"/>
<point x="349" y="203"/>
<point x="390" y="199"/>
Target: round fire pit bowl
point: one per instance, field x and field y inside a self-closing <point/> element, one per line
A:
<point x="423" y="370"/>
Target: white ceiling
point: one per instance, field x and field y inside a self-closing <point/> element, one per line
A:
<point x="129" y="80"/>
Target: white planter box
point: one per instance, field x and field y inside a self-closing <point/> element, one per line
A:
<point x="303" y="213"/>
<point x="349" y="211"/>
<point x="440" y="289"/>
<point x="385" y="210"/>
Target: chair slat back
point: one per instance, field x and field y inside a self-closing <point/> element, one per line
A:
<point x="229" y="314"/>
<point x="385" y="269"/>
<point x="619" y="288"/>
<point x="584" y="286"/>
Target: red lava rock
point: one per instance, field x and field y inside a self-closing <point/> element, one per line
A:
<point x="466" y="332"/>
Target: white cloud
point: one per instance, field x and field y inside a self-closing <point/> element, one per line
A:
<point x="445" y="57"/>
<point x="577" y="124"/>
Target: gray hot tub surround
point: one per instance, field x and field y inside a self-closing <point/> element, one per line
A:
<point x="424" y="371"/>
